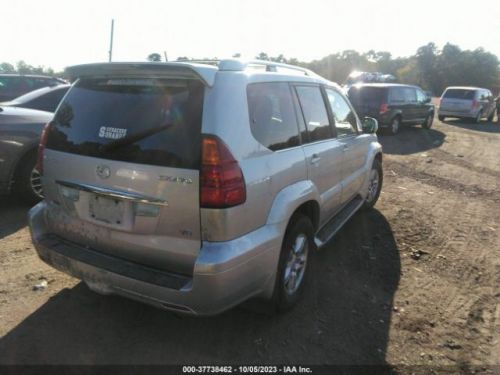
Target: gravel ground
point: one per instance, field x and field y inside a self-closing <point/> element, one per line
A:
<point x="413" y="282"/>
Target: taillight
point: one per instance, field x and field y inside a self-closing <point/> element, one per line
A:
<point x="475" y="104"/>
<point x="41" y="148"/>
<point x="384" y="108"/>
<point x="221" y="181"/>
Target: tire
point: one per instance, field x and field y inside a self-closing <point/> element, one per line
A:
<point x="374" y="186"/>
<point x="27" y="185"/>
<point x="395" y="125"/>
<point x="428" y="121"/>
<point x="298" y="240"/>
<point x="478" y="118"/>
<point x="441" y="118"/>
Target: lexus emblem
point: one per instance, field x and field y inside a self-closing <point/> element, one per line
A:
<point x="103" y="171"/>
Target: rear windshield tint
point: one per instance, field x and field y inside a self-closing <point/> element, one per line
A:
<point x="367" y="95"/>
<point x="155" y="122"/>
<point x="459" y="94"/>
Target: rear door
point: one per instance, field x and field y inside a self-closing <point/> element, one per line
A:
<point x="458" y="101"/>
<point x="322" y="151"/>
<point x="122" y="168"/>
<point x="354" y="144"/>
<point x="398" y="102"/>
<point x="411" y="107"/>
<point x="422" y="106"/>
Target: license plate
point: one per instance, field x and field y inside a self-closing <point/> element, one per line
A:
<point x="105" y="209"/>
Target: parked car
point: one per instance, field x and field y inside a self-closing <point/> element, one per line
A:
<point x="20" y="131"/>
<point x="473" y="103"/>
<point x="195" y="187"/>
<point x="44" y="99"/>
<point x="393" y="105"/>
<point x="14" y="85"/>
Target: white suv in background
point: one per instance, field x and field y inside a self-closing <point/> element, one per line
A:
<point x="473" y="103"/>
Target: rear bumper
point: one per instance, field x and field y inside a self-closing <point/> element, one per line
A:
<point x="451" y="113"/>
<point x="225" y="273"/>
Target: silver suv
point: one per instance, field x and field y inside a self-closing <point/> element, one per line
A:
<point x="194" y="187"/>
<point x="472" y="103"/>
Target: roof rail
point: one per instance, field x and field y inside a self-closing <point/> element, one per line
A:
<point x="206" y="61"/>
<point x="271" y="66"/>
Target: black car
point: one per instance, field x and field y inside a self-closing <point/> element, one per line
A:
<point x="393" y="105"/>
<point x="44" y="99"/>
<point x="14" y="85"/>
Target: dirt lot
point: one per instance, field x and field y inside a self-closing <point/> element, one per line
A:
<point x="414" y="282"/>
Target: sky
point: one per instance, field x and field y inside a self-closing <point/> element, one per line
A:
<point x="57" y="33"/>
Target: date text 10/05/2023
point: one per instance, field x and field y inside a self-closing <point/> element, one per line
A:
<point x="246" y="370"/>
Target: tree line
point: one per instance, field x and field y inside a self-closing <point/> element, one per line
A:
<point x="431" y="68"/>
<point x="23" y="68"/>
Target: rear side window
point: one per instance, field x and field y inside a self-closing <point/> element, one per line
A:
<point x="146" y="121"/>
<point x="459" y="94"/>
<point x="272" y="115"/>
<point x="8" y="84"/>
<point x="396" y="95"/>
<point x="314" y="111"/>
<point x="47" y="102"/>
<point x="410" y="94"/>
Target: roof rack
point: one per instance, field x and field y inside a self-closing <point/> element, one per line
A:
<point x="270" y="66"/>
<point x="241" y="65"/>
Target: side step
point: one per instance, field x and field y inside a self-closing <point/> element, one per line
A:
<point x="333" y="226"/>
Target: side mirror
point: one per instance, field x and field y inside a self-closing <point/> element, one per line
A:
<point x="370" y="125"/>
<point x="427" y="99"/>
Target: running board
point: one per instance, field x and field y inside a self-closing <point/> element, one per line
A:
<point x="333" y="226"/>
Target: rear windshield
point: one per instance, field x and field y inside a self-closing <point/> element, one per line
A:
<point x="146" y="121"/>
<point x="459" y="94"/>
<point x="372" y="96"/>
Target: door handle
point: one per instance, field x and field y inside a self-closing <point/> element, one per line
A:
<point x="315" y="159"/>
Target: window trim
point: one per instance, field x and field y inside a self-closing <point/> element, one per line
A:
<point x="349" y="104"/>
<point x="320" y="86"/>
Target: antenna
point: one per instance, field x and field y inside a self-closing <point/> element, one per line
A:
<point x="111" y="40"/>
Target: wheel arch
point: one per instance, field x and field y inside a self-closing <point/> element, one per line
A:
<point x="310" y="209"/>
<point x="27" y="152"/>
<point x="300" y="197"/>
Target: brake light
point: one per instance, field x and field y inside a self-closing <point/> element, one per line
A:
<point x="221" y="181"/>
<point x="475" y="104"/>
<point x="41" y="148"/>
<point x="384" y="108"/>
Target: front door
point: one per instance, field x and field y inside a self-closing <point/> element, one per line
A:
<point x="354" y="144"/>
<point x="322" y="151"/>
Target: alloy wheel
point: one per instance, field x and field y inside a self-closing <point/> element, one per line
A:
<point x="296" y="264"/>
<point x="36" y="183"/>
<point x="373" y="185"/>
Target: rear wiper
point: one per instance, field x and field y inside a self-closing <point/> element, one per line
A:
<point x="129" y="139"/>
